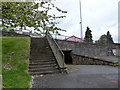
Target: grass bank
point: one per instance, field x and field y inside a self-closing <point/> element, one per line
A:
<point x="0" y="55"/>
<point x="0" y="63"/>
<point x="15" y="51"/>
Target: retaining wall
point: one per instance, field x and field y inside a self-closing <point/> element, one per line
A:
<point x="86" y="60"/>
<point x="85" y="48"/>
<point x="12" y="34"/>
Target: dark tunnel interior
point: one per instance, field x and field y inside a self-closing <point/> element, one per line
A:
<point x="68" y="57"/>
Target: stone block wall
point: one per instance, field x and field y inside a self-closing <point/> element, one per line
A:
<point x="12" y="34"/>
<point x="85" y="48"/>
<point x="86" y="60"/>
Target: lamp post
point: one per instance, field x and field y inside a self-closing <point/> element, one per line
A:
<point x="80" y="20"/>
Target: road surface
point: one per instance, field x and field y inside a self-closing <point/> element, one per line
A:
<point x="80" y="76"/>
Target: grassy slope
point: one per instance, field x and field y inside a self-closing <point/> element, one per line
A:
<point x="0" y="55"/>
<point x="15" y="51"/>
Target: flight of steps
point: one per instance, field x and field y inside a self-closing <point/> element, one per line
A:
<point x="42" y="60"/>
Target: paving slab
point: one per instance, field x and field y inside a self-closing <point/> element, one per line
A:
<point x="82" y="76"/>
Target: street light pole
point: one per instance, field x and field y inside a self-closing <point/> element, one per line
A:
<point x="81" y="19"/>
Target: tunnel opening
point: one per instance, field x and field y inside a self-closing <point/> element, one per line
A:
<point x="68" y="56"/>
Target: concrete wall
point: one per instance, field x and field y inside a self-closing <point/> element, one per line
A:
<point x="85" y="49"/>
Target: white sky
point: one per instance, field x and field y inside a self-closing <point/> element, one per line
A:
<point x="99" y="15"/>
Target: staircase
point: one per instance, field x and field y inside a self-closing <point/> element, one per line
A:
<point x="42" y="60"/>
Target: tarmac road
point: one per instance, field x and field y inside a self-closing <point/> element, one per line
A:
<point x="82" y="76"/>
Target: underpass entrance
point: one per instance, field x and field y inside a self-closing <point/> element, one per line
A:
<point x="68" y="56"/>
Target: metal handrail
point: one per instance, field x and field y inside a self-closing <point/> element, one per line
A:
<point x="59" y="55"/>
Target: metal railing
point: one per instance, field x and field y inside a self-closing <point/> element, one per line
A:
<point x="67" y="38"/>
<point x="59" y="55"/>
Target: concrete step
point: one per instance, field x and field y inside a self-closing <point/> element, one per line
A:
<point x="41" y="58"/>
<point x="43" y="69"/>
<point x="43" y="54"/>
<point x="42" y="66"/>
<point x="44" y="73"/>
<point x="40" y="49"/>
<point x="37" y="49"/>
<point x="41" y="63"/>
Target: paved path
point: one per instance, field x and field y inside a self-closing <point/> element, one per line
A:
<point x="84" y="76"/>
<point x="110" y="58"/>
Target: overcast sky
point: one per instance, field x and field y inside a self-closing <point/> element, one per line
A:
<point x="99" y="15"/>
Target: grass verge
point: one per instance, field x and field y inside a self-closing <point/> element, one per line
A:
<point x="0" y="62"/>
<point x="15" y="51"/>
<point x="0" y="55"/>
<point x="72" y="69"/>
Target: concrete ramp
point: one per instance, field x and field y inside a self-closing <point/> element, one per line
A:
<point x="110" y="58"/>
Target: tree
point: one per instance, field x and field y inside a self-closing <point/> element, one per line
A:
<point x="102" y="40"/>
<point x="88" y="36"/>
<point x="105" y="39"/>
<point x="14" y="14"/>
<point x="31" y="14"/>
<point x="109" y="38"/>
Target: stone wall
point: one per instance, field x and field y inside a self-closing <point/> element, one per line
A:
<point x="85" y="48"/>
<point x="86" y="60"/>
<point x="117" y="49"/>
<point x="12" y="34"/>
